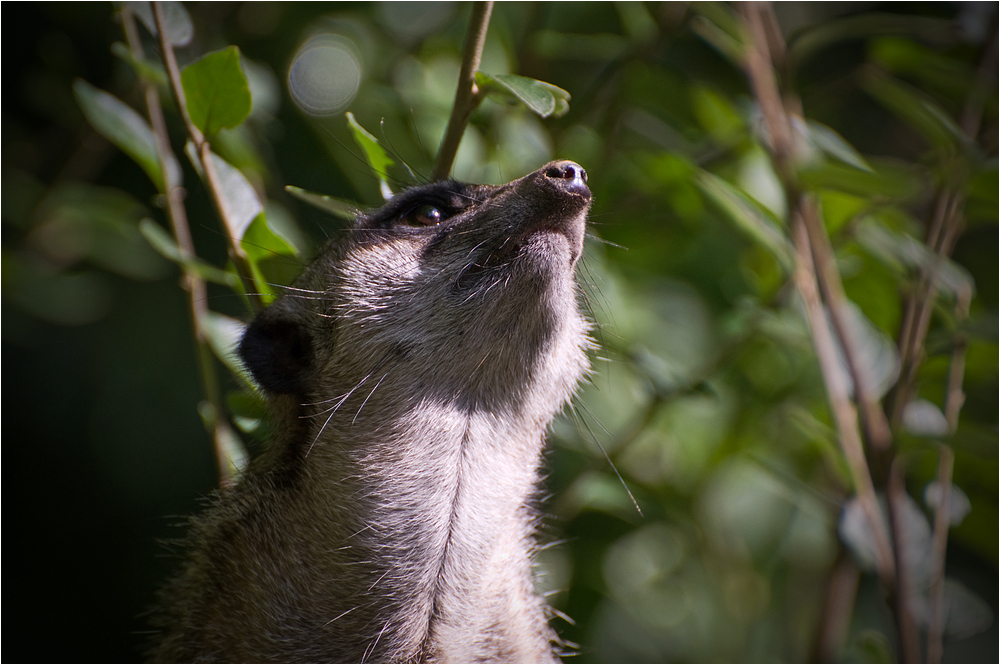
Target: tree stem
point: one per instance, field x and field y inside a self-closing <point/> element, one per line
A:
<point x="466" y="94"/>
<point x="939" y="546"/>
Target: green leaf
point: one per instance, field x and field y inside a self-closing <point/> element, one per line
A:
<point x="119" y="123"/>
<point x="543" y="98"/>
<point x="217" y="92"/>
<point x="915" y="109"/>
<point x="260" y="241"/>
<point x="64" y="298"/>
<point x="599" y="47"/>
<point x="959" y="505"/>
<point x="924" y="418"/>
<point x="272" y="258"/>
<point x="151" y="71"/>
<point x="281" y="222"/>
<point x="809" y="41"/>
<point x="886" y="181"/>
<point x="231" y="449"/>
<point x="100" y="224"/>
<point x="238" y="197"/>
<point x="716" y="115"/>
<point x="876" y="353"/>
<point x="905" y="254"/>
<point x="914" y="59"/>
<point x="747" y="216"/>
<point x="163" y="243"/>
<point x="377" y="158"/>
<point x="874" y="647"/>
<point x="329" y="204"/>
<point x="718" y="25"/>
<point x="968" y="614"/>
<point x="833" y="144"/>
<point x="177" y="20"/>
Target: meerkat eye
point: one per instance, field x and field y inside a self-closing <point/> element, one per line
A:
<point x="424" y="215"/>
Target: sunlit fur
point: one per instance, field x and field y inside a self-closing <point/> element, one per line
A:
<point x="391" y="517"/>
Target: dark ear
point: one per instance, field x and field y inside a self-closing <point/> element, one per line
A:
<point x="278" y="353"/>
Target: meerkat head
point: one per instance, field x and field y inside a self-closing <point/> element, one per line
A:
<point x="470" y="284"/>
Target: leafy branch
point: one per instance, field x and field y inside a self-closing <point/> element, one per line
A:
<point x="815" y="275"/>
<point x="209" y="163"/>
<point x="819" y="283"/>
<point x="227" y="447"/>
<point x="474" y="86"/>
<point x="212" y="94"/>
<point x="544" y="99"/>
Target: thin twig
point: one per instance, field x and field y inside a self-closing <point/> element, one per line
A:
<point x="765" y="89"/>
<point x="467" y="96"/>
<point x="939" y="546"/>
<point x="843" y="411"/>
<point x="877" y="432"/>
<point x="909" y="638"/>
<point x="841" y="592"/>
<point x="177" y="213"/>
<point x="954" y="397"/>
<point x="762" y="80"/>
<point x="942" y="231"/>
<point x="944" y="227"/>
<point x="236" y="253"/>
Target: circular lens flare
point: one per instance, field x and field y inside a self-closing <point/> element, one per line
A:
<point x="325" y="75"/>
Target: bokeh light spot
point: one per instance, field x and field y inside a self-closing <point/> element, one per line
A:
<point x="325" y="75"/>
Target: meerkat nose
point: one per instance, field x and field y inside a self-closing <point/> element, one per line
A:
<point x="567" y="170"/>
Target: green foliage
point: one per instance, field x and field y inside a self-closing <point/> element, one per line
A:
<point x="378" y="159"/>
<point x="216" y="91"/>
<point x="121" y="125"/>
<point x="238" y="200"/>
<point x="543" y="98"/>
<point x="329" y="204"/>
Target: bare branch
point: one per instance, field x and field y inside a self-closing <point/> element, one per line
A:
<point x="954" y="397"/>
<point x="759" y="17"/>
<point x="765" y="87"/>
<point x="841" y="592"/>
<point x="467" y="96"/>
<point x="843" y="411"/>
<point x="877" y="432"/>
<point x="939" y="546"/>
<point x="945" y="226"/>
<point x="909" y="638"/>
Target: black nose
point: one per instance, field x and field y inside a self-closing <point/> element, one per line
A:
<point x="567" y="171"/>
<point x="573" y="175"/>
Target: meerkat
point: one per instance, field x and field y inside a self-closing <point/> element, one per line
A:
<point x="411" y="371"/>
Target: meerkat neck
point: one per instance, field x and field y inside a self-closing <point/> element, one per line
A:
<point x="442" y="523"/>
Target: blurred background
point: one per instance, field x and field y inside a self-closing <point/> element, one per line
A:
<point x="706" y="394"/>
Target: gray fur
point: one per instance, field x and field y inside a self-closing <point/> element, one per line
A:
<point x="416" y="371"/>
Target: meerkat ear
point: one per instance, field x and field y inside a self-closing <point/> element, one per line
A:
<point x="277" y="351"/>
